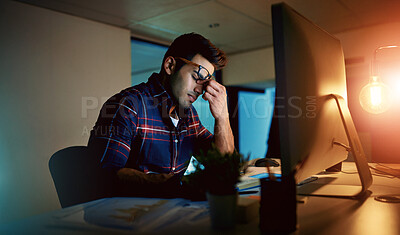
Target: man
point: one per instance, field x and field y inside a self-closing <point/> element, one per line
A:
<point x="146" y="134"/>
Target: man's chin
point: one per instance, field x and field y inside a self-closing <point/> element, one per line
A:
<point x="186" y="104"/>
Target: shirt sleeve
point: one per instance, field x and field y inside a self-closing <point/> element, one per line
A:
<point x="112" y="135"/>
<point x="204" y="137"/>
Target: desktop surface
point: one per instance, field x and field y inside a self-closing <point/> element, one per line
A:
<point x="315" y="215"/>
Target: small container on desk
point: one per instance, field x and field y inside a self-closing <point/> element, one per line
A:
<point x="278" y="208"/>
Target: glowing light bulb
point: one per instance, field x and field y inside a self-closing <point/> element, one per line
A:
<point x="375" y="97"/>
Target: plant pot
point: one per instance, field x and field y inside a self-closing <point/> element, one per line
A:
<point x="222" y="210"/>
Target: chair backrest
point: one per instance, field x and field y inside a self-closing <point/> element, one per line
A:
<point x="76" y="175"/>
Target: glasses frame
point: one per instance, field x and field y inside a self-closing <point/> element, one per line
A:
<point x="209" y="76"/>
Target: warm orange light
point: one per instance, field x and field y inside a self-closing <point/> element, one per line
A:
<point x="394" y="83"/>
<point x="375" y="97"/>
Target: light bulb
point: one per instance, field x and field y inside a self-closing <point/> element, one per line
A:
<point x="375" y="97"/>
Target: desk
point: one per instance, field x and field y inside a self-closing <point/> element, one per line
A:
<point x="317" y="215"/>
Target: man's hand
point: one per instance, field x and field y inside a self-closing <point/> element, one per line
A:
<point x="215" y="94"/>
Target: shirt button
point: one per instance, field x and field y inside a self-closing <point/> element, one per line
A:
<point x="173" y="168"/>
<point x="176" y="141"/>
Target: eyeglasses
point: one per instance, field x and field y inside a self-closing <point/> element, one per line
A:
<point x="202" y="73"/>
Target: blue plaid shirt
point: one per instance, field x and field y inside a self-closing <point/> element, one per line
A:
<point x="134" y="130"/>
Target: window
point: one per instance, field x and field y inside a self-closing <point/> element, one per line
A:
<point x="251" y="112"/>
<point x="255" y="112"/>
<point x="146" y="59"/>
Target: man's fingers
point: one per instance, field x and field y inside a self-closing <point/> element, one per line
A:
<point x="202" y="82"/>
<point x="217" y="86"/>
<point x="207" y="96"/>
<point x="214" y="84"/>
<point x="211" y="90"/>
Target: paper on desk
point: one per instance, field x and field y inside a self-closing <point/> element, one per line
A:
<point x="253" y="175"/>
<point x="142" y="214"/>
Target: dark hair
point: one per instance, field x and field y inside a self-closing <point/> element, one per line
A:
<point x="188" y="45"/>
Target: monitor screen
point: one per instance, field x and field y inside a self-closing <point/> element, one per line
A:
<point x="309" y="66"/>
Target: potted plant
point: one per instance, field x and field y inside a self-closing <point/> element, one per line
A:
<point x="217" y="174"/>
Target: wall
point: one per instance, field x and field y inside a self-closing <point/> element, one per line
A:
<point x="254" y="67"/>
<point x="258" y="65"/>
<point x="54" y="71"/>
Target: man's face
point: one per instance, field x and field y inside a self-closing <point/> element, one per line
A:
<point x="183" y="84"/>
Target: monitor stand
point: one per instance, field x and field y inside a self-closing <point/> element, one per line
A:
<point x="318" y="188"/>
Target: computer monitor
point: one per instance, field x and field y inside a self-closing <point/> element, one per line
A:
<point x="315" y="127"/>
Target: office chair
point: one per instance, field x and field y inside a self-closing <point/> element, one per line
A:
<point x="76" y="175"/>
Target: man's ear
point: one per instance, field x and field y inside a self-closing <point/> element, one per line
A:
<point x="169" y="65"/>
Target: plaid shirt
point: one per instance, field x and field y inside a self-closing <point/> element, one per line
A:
<point x="134" y="130"/>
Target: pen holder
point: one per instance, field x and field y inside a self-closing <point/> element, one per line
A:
<point x="278" y="209"/>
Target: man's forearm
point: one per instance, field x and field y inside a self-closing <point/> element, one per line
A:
<point x="215" y="94"/>
<point x="134" y="183"/>
<point x="224" y="139"/>
<point x="138" y="177"/>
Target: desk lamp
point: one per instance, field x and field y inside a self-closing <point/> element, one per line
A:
<point x="376" y="97"/>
